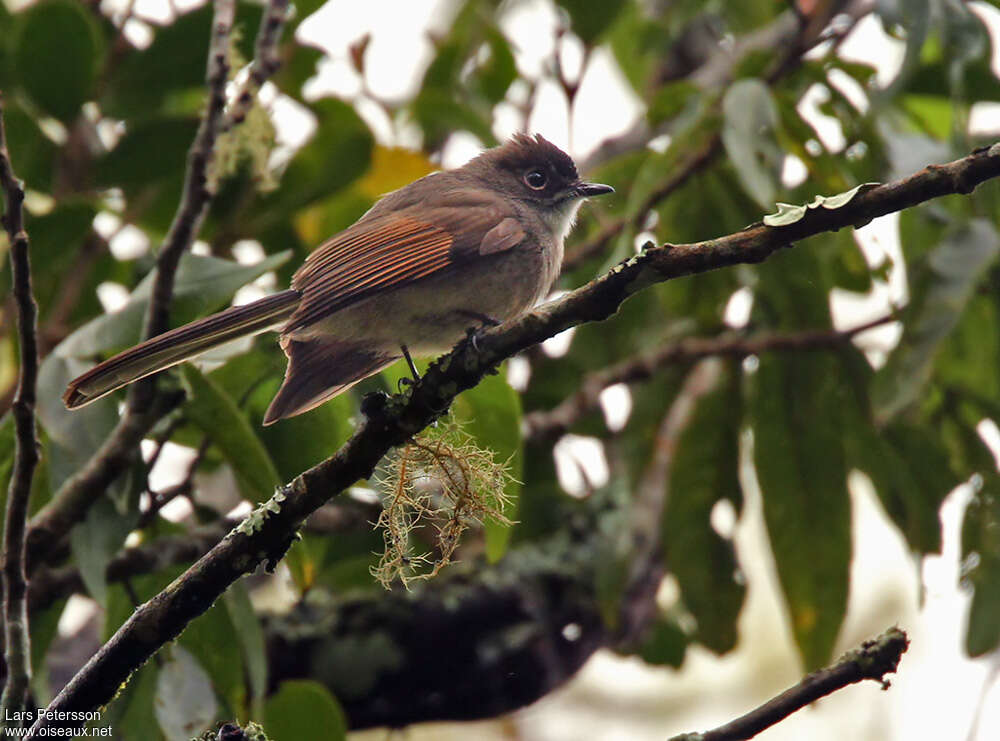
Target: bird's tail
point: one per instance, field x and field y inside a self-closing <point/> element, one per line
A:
<point x="178" y="345"/>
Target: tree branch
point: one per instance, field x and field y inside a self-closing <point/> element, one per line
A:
<point x="548" y="425"/>
<point x="15" y="612"/>
<point x="143" y="407"/>
<point x="267" y="533"/>
<point x="786" y="32"/>
<point x="873" y="660"/>
<point x="265" y="63"/>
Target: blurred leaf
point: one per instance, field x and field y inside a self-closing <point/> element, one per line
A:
<point x="970" y="355"/>
<point x="848" y="265"/>
<point x="491" y="413"/>
<point x="931" y="114"/>
<point x="942" y="289"/>
<point x="911" y="475"/>
<point x="73" y="436"/>
<point x="590" y="19"/>
<point x="705" y="471"/>
<point x="57" y="52"/>
<point x="172" y="68"/>
<point x="95" y="540"/>
<point x="300" y="67"/>
<point x="56" y="239"/>
<point x="981" y="560"/>
<point x="796" y="407"/>
<point x="339" y="152"/>
<point x="494" y="76"/>
<point x="300" y="442"/>
<point x="211" y="409"/>
<point x="748" y="135"/>
<point x="665" y="645"/>
<point x="300" y="707"/>
<point x="211" y="640"/>
<point x="250" y="636"/>
<point x="148" y="152"/>
<point x="44" y="630"/>
<point x="638" y="41"/>
<point x="440" y="115"/>
<point x="32" y="153"/>
<point x="671" y="99"/>
<point x="392" y="168"/>
<point x="185" y="703"/>
<point x="131" y="712"/>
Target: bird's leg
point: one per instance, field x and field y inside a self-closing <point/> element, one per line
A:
<point x="485" y="320"/>
<point x="413" y="368"/>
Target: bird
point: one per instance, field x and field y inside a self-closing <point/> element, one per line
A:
<point x="453" y="251"/>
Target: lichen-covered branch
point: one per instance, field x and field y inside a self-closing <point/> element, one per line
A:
<point x="15" y="612"/>
<point x="266" y="534"/>
<point x="873" y="660"/>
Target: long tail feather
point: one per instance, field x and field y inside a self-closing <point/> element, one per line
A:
<point x="178" y="345"/>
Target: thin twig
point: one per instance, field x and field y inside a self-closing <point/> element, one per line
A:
<point x="546" y="425"/>
<point x="143" y="408"/>
<point x="265" y="63"/>
<point x="268" y="532"/>
<point x="15" y="612"/>
<point x="873" y="660"/>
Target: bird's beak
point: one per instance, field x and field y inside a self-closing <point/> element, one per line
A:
<point x="588" y="190"/>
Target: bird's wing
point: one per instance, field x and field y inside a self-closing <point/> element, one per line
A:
<point x="396" y="249"/>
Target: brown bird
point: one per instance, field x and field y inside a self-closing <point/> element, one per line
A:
<point x="450" y="251"/>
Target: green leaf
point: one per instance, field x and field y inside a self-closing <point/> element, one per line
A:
<point x="942" y="288"/>
<point x="910" y="471"/>
<point x="590" y="19"/>
<point x="95" y="540"/>
<point x="748" y="135"/>
<point x="981" y="550"/>
<point x="300" y="707"/>
<point x="44" y="630"/>
<point x="211" y="638"/>
<point x="211" y="409"/>
<point x="494" y="76"/>
<point x="491" y="413"/>
<point x="32" y="153"/>
<point x="664" y="645"/>
<point x="300" y="442"/>
<point x="185" y="703"/>
<point x="150" y="152"/>
<point x="796" y="407"/>
<point x="339" y="152"/>
<point x="163" y="76"/>
<point x="57" y="52"/>
<point x="798" y="447"/>
<point x="705" y="470"/>
<point x="249" y="635"/>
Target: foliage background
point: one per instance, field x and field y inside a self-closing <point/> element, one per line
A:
<point x="101" y="107"/>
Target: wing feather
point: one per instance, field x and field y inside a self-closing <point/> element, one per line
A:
<point x="395" y="249"/>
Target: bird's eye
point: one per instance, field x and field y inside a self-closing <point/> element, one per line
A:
<point x="535" y="179"/>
